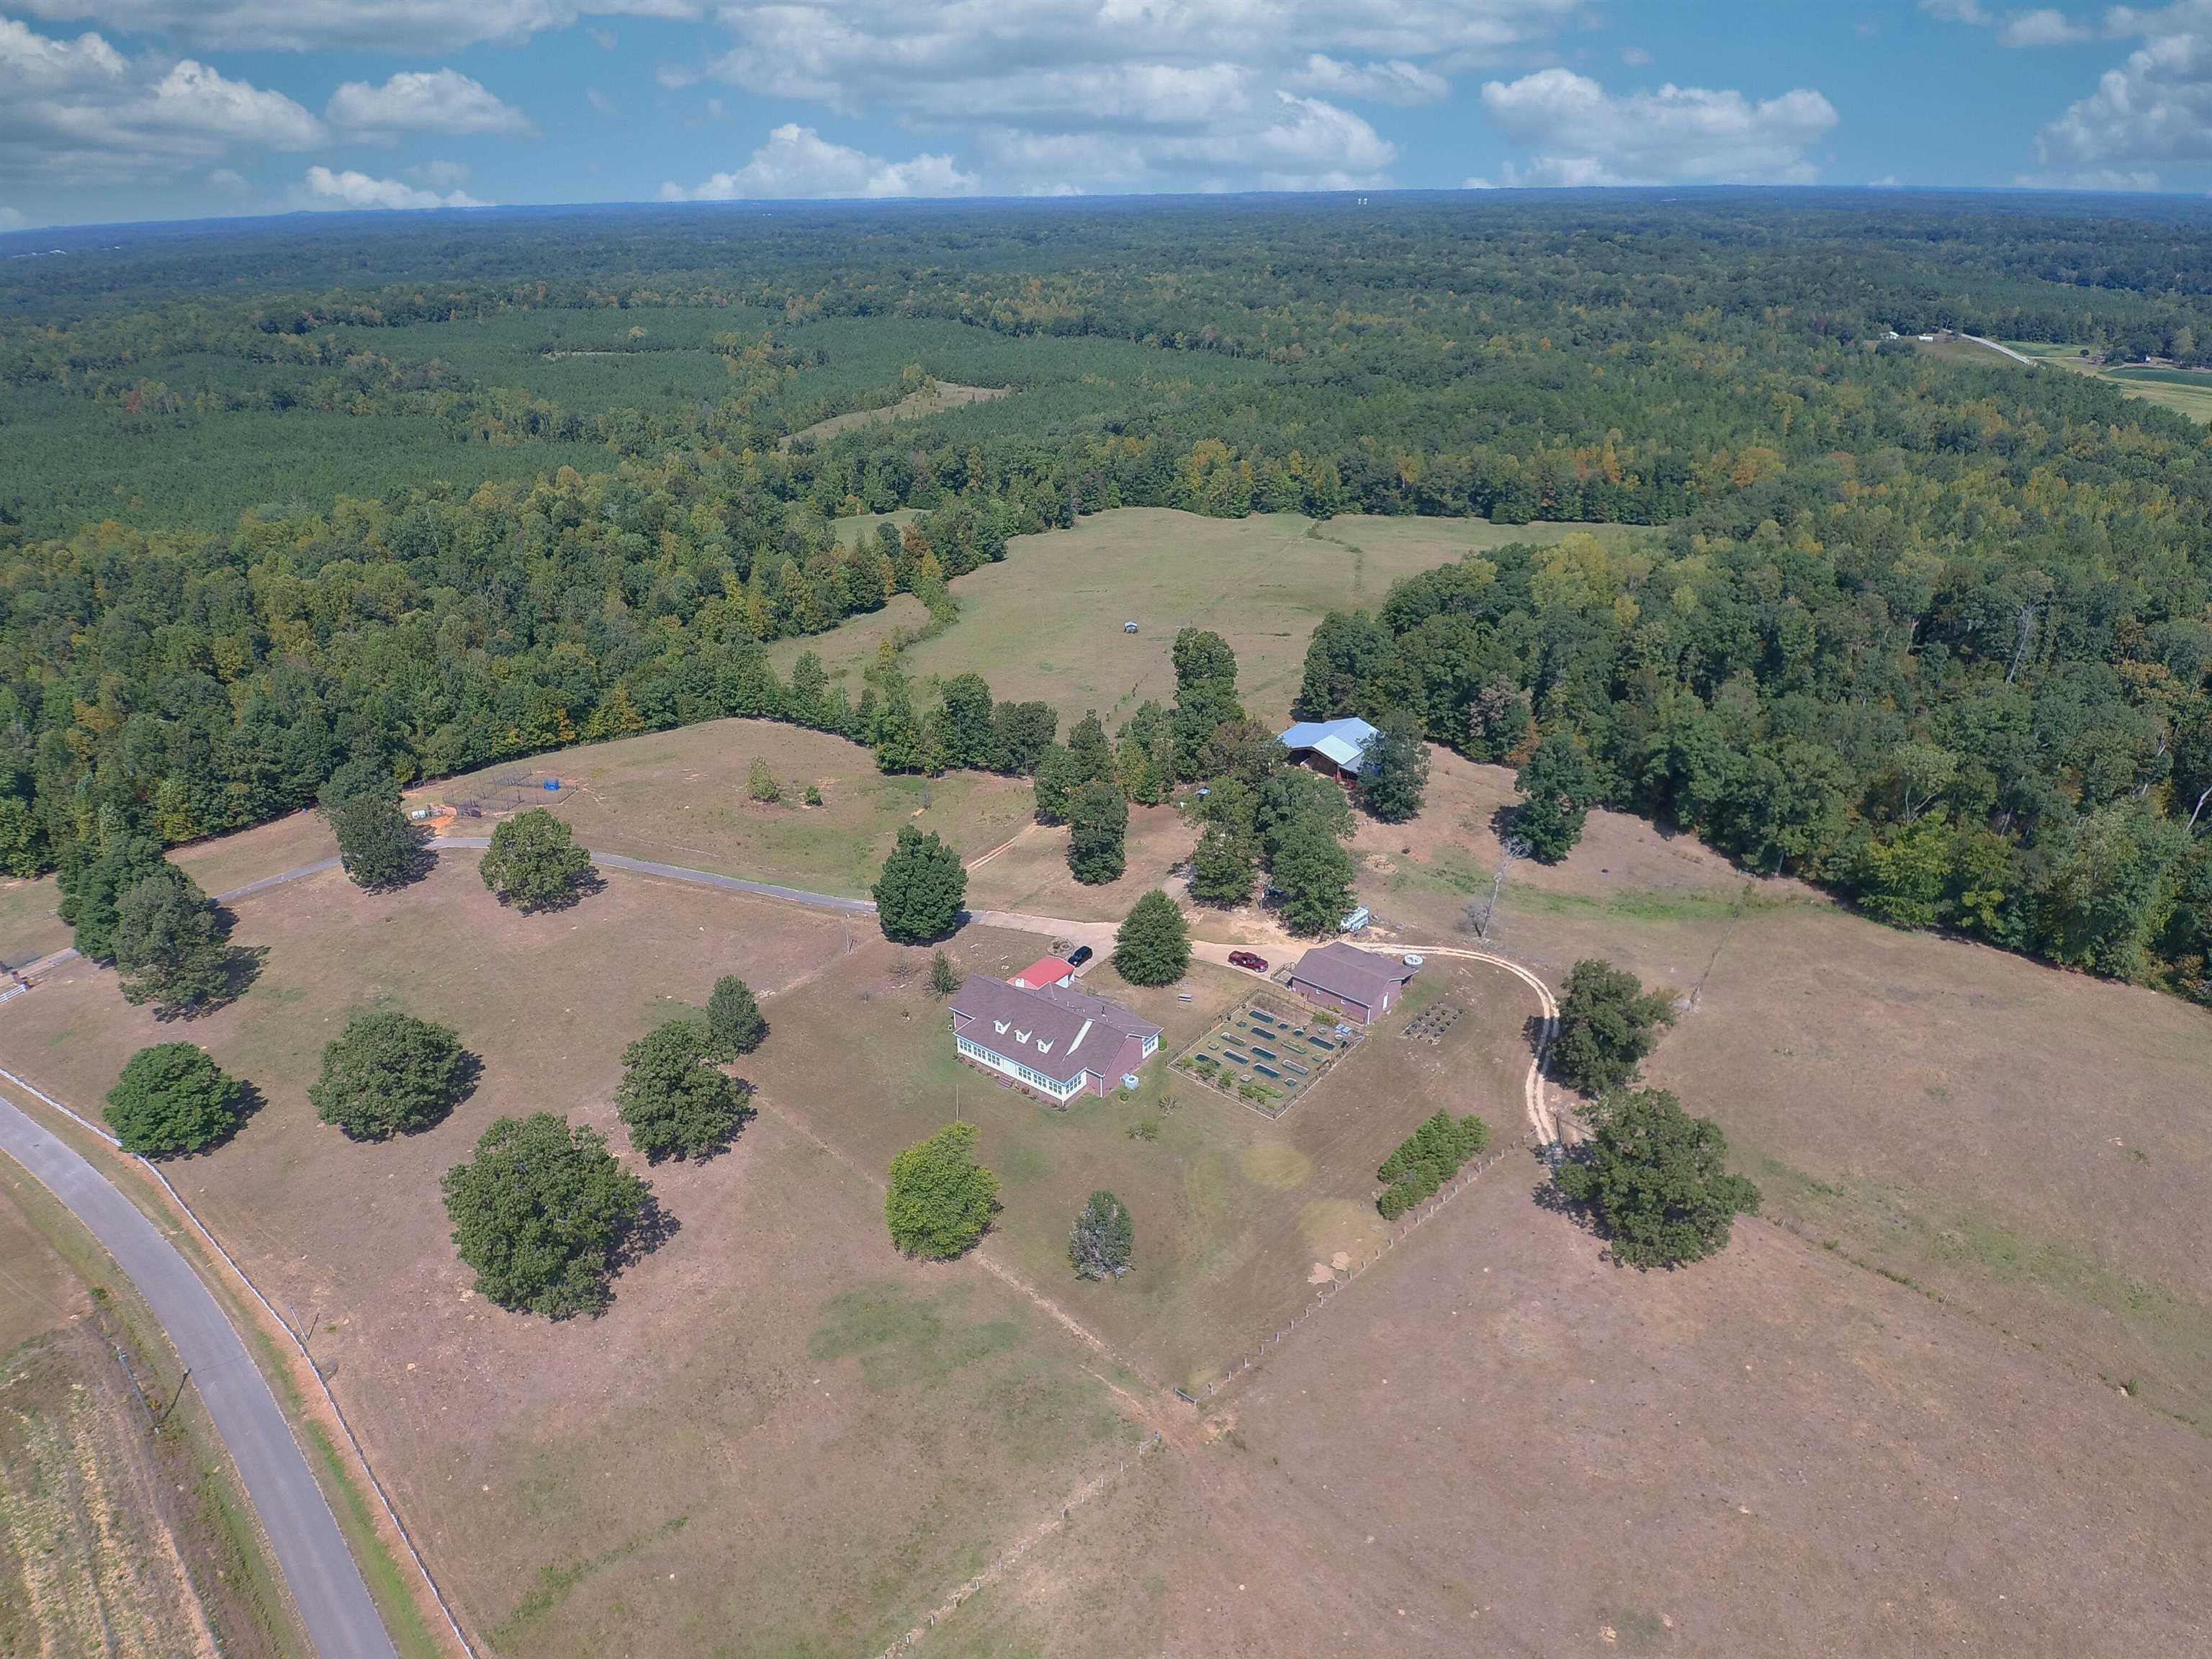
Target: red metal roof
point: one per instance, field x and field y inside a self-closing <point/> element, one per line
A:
<point x="1045" y="970"/>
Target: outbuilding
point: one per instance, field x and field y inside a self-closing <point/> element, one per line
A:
<point x="1358" y="984"/>
<point x="1335" y="749"/>
<point x="1045" y="970"/>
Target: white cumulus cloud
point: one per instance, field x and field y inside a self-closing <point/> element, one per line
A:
<point x="2045" y="27"/>
<point x="11" y="218"/>
<point x="2153" y="112"/>
<point x="82" y="113"/>
<point x="798" y="163"/>
<point x="1395" y="81"/>
<point x="421" y="100"/>
<point x="1579" y="134"/>
<point x="322" y="188"/>
<point x="377" y="25"/>
<point x="1128" y="93"/>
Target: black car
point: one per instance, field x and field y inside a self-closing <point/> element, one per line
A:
<point x="1079" y="956"/>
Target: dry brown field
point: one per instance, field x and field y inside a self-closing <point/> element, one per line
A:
<point x="1031" y="876"/>
<point x="680" y="797"/>
<point x="1948" y="1397"/>
<point x="1498" y="1445"/>
<point x="774" y="1384"/>
<point x="2034" y="1146"/>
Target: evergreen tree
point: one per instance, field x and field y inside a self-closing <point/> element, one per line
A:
<point x="1397" y="774"/>
<point x="944" y="978"/>
<point x="1058" y="776"/>
<point x="1153" y="946"/>
<point x="172" y="1098"/>
<point x="1655" y="1180"/>
<point x="1608" y="1025"/>
<point x="1559" y="785"/>
<point x="761" y="784"/>
<point x="377" y="846"/>
<point x="539" y="1211"/>
<point x="1103" y="1243"/>
<point x="1221" y="868"/>
<point x="169" y="945"/>
<point x="1093" y="757"/>
<point x="1097" y="834"/>
<point x="1205" y="697"/>
<point x="534" y="862"/>
<point x="94" y="876"/>
<point x="389" y="1073"/>
<point x="1020" y="734"/>
<point x="968" y="737"/>
<point x="734" y="1018"/>
<point x="919" y="894"/>
<point x="1315" y="875"/>
<point x="941" y="1198"/>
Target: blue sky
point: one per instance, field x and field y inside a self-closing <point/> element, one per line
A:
<point x="135" y="109"/>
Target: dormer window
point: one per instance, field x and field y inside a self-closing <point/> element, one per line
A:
<point x="1044" y="1048"/>
<point x="1021" y="1037"/>
<point x="1000" y="1026"/>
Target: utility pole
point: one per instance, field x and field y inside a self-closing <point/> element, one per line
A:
<point x="1516" y="847"/>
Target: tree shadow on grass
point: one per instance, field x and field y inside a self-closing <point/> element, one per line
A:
<point x="241" y="967"/>
<point x="590" y="884"/>
<point x="649" y="1229"/>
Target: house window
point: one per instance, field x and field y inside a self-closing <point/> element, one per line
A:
<point x="1151" y="1046"/>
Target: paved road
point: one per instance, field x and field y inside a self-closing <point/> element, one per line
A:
<point x="327" y="1586"/>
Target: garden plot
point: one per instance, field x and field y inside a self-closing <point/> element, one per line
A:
<point x="1267" y="1053"/>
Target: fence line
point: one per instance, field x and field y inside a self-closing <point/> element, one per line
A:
<point x="353" y="1440"/>
<point x="1329" y="1293"/>
<point x="999" y="1567"/>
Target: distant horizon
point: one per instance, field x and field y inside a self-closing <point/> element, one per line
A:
<point x="2165" y="201"/>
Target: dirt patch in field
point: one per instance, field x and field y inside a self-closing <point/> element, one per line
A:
<point x="934" y="399"/>
<point x="1500" y="1445"/>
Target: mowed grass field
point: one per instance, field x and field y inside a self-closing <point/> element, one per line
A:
<point x="2033" y="1145"/>
<point x="1046" y="622"/>
<point x="774" y="1384"/>
<point x="1231" y="1211"/>
<point x="2185" y="392"/>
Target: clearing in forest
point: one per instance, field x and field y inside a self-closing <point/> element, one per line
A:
<point x="1046" y="622"/>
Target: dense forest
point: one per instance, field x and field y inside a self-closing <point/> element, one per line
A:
<point x="1935" y="632"/>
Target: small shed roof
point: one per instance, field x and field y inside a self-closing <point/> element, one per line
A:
<point x="1045" y="970"/>
<point x="1346" y="971"/>
<point x="1343" y="742"/>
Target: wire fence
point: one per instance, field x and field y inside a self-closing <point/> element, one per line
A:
<point x="1329" y="1293"/>
<point x="329" y="1398"/>
<point x="1000" y="1565"/>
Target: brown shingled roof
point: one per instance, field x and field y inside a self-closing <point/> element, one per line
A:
<point x="1345" y="970"/>
<point x="1057" y="1030"/>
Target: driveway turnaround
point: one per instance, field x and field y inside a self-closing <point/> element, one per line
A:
<point x="311" y="1553"/>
